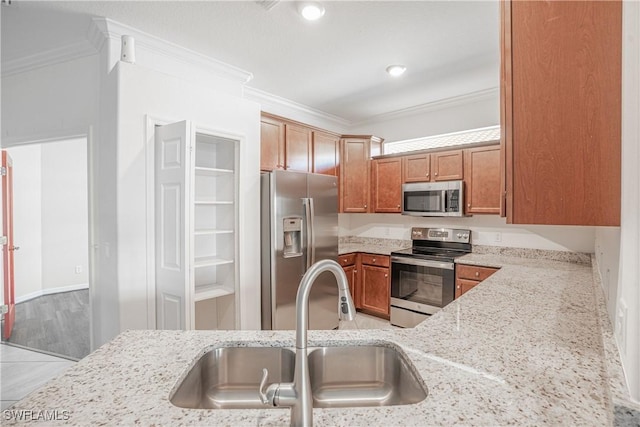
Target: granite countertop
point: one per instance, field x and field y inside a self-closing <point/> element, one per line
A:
<point x="524" y="347"/>
<point x="371" y="245"/>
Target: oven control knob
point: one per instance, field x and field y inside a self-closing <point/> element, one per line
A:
<point x="459" y="235"/>
<point x="465" y="236"/>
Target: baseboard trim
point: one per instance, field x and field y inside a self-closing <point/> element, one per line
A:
<point x="50" y="291"/>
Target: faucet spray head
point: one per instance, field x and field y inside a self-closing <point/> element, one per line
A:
<point x="346" y="309"/>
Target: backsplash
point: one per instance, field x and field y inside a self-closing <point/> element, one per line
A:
<point x="564" y="256"/>
<point x="489" y="230"/>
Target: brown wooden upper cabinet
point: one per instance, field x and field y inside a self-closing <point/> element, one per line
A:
<point x="326" y="153"/>
<point x="561" y="111"/>
<point x="386" y="176"/>
<point x="298" y="148"/>
<point x="285" y="144"/>
<point x="437" y="166"/>
<point x="446" y="165"/>
<point x="482" y="180"/>
<point x="416" y="168"/>
<point x="355" y="159"/>
<point x="271" y="144"/>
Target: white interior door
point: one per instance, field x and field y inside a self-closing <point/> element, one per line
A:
<point x="173" y="153"/>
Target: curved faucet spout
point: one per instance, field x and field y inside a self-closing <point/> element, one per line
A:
<point x="297" y="395"/>
<point x="346" y="309"/>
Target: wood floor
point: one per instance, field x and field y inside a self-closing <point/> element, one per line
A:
<point x="56" y="323"/>
<point x="22" y="371"/>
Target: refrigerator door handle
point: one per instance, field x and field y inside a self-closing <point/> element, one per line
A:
<point x="308" y="220"/>
<point x="312" y="221"/>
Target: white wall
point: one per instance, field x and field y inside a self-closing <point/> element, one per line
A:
<point x="27" y="219"/>
<point x="50" y="217"/>
<point x="626" y="316"/>
<point x="143" y="92"/>
<point x="65" y="225"/>
<point x="466" y="112"/>
<point x="50" y="102"/>
<point x="485" y="231"/>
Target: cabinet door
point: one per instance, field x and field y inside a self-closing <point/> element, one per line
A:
<point x="297" y="148"/>
<point x="482" y="180"/>
<point x="172" y="190"/>
<point x="271" y="144"/>
<point x="446" y="165"/>
<point x="375" y="290"/>
<point x="562" y="117"/>
<point x="352" y="275"/>
<point x="417" y="168"/>
<point x="464" y="285"/>
<point x="354" y="175"/>
<point x="326" y="149"/>
<point x="387" y="185"/>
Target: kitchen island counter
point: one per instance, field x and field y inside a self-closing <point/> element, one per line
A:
<point x="524" y="347"/>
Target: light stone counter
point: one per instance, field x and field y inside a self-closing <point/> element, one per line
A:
<point x="371" y="245"/>
<point x="524" y="347"/>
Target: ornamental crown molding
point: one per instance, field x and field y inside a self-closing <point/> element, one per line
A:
<point x="274" y="104"/>
<point x="105" y="30"/>
<point x="68" y="52"/>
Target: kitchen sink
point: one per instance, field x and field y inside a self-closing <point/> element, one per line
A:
<point x="349" y="376"/>
<point x="367" y="375"/>
<point x="229" y="377"/>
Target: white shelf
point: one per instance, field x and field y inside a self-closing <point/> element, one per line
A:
<point x="209" y="261"/>
<point x="212" y="290"/>
<point x="213" y="202"/>
<point x="209" y="231"/>
<point x="212" y="171"/>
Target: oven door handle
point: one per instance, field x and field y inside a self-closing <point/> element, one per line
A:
<point x="422" y="263"/>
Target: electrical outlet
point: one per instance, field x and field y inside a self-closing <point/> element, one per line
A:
<point x="498" y="237"/>
<point x="78" y="269"/>
<point x="621" y="326"/>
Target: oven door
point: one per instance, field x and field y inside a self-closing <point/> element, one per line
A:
<point x="421" y="285"/>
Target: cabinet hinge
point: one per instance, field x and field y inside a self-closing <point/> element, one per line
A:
<point x="3" y="171"/>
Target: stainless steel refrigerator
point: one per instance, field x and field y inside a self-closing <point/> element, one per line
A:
<point x="299" y="222"/>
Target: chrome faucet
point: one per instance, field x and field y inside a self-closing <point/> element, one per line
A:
<point x="297" y="395"/>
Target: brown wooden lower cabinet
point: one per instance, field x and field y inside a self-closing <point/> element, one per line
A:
<point x="375" y="290"/>
<point x="369" y="282"/>
<point x="469" y="276"/>
<point x="349" y="265"/>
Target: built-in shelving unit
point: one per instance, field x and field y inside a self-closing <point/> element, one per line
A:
<point x="196" y="230"/>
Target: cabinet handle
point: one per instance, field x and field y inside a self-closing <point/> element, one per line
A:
<point x="374" y="260"/>
<point x="427" y="174"/>
<point x="386" y="275"/>
<point x="477" y="273"/>
<point x="365" y="206"/>
<point x="458" y="287"/>
<point x="468" y="205"/>
<point x="436" y="174"/>
<point x="398" y="206"/>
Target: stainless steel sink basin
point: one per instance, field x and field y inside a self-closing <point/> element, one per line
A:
<point x="229" y="377"/>
<point x="350" y="376"/>
<point x="362" y="376"/>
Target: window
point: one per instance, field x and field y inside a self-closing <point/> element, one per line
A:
<point x="491" y="133"/>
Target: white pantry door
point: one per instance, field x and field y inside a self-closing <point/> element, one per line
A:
<point x="173" y="159"/>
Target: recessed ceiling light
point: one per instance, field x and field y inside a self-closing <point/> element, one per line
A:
<point x="311" y="10"/>
<point x="396" y="70"/>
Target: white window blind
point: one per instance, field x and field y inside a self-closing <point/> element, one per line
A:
<point x="491" y="133"/>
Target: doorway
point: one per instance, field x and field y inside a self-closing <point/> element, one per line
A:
<point x="51" y="260"/>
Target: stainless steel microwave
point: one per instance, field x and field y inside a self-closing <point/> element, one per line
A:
<point x="444" y="198"/>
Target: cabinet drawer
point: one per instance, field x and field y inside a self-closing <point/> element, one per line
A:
<point x="347" y="259"/>
<point x="379" y="260"/>
<point x="473" y="272"/>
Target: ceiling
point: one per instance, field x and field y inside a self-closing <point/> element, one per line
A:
<point x="335" y="65"/>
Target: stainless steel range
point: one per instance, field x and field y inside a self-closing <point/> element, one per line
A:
<point x="423" y="276"/>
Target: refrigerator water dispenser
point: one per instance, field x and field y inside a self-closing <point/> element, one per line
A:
<point x="292" y="236"/>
